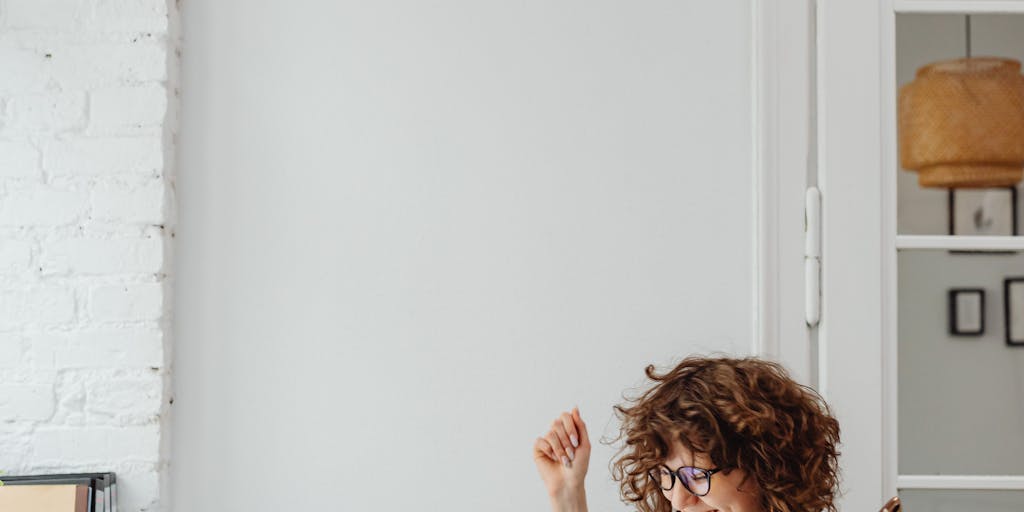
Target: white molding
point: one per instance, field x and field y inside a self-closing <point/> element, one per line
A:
<point x="765" y="114"/>
<point x="961" y="243"/>
<point x="959" y="6"/>
<point x="783" y="50"/>
<point x="820" y="150"/>
<point x="889" y="256"/>
<point x="977" y="482"/>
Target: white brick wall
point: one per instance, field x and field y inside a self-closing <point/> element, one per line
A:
<point x="87" y="120"/>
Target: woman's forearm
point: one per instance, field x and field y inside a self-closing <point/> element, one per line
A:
<point x="574" y="500"/>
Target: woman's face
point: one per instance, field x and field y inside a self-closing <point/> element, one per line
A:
<point x="726" y="494"/>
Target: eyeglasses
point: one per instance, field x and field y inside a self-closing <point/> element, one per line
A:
<point x="696" y="480"/>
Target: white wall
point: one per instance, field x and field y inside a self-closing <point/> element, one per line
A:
<point x="413" y="232"/>
<point x="87" y="113"/>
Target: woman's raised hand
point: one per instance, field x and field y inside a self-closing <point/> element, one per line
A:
<point x="562" y="456"/>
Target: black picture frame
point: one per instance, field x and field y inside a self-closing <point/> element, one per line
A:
<point x="1013" y="310"/>
<point x="959" y="298"/>
<point x="1012" y="222"/>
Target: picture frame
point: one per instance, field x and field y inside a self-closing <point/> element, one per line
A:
<point x="1013" y="308"/>
<point x="983" y="212"/>
<point x="967" y="312"/>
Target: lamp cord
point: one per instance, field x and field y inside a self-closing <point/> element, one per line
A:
<point x="967" y="33"/>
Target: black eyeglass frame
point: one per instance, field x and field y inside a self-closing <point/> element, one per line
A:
<point x="677" y="475"/>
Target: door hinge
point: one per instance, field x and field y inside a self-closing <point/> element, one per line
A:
<point x="812" y="256"/>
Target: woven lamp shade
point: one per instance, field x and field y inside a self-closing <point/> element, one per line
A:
<point x="961" y="123"/>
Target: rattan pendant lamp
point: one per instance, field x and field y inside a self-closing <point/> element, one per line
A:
<point x="961" y="123"/>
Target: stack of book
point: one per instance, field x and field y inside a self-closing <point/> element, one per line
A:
<point x="80" y="492"/>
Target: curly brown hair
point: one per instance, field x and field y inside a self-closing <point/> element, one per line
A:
<point x="743" y="413"/>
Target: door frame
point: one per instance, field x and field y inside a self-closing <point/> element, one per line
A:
<point x="818" y="93"/>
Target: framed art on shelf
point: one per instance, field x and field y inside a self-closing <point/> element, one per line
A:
<point x="1013" y="304"/>
<point x="966" y="312"/>
<point x="983" y="212"/>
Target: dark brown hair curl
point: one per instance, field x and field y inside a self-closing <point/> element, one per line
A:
<point x="743" y="413"/>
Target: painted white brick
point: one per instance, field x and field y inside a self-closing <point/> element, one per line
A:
<point x="36" y="306"/>
<point x="43" y="349"/>
<point x="126" y="303"/>
<point x="96" y="68"/>
<point x="44" y="114"/>
<point x="138" y="491"/>
<point x="70" y="392"/>
<point x="18" y="159"/>
<point x="139" y="205"/>
<point x="15" y="445"/>
<point x="130" y="15"/>
<point x="123" y="108"/>
<point x="25" y="376"/>
<point x="66" y="445"/>
<point x="25" y="71"/>
<point x="63" y="65"/>
<point x="42" y="205"/>
<point x="88" y="67"/>
<point x="103" y="156"/>
<point x="50" y="14"/>
<point x="125" y="399"/>
<point x="94" y="256"/>
<point x="26" y="402"/>
<point x="15" y="256"/>
<point x="129" y="347"/>
<point x="12" y="350"/>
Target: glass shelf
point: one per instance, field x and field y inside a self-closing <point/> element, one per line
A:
<point x="979" y="482"/>
<point x="961" y="243"/>
<point x="958" y="6"/>
<point x="987" y="500"/>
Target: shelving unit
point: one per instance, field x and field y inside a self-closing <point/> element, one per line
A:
<point x="893" y="243"/>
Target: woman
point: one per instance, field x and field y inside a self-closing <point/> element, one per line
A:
<point x="712" y="434"/>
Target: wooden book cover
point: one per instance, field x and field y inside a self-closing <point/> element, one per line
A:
<point x="44" y="498"/>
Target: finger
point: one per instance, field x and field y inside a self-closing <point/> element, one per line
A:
<point x="558" y="427"/>
<point x="541" y="446"/>
<point x="569" y="424"/>
<point x="581" y="427"/>
<point x="556" y="445"/>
